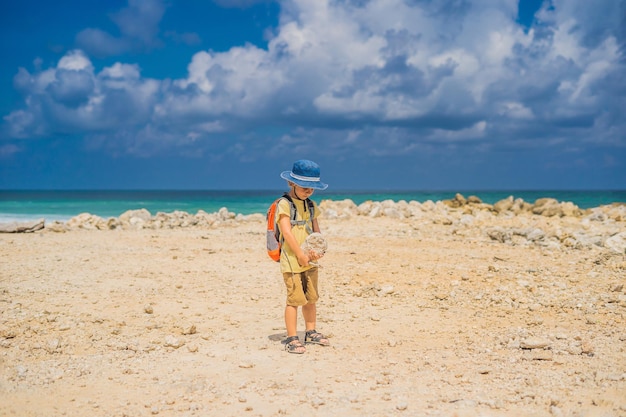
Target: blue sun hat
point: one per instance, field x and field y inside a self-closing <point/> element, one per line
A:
<point x="305" y="174"/>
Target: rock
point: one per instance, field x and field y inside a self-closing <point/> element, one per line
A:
<point x="570" y="209"/>
<point x="535" y="235"/>
<point x="548" y="207"/>
<point x="387" y="290"/>
<point x="456" y="202"/>
<point x="171" y="341"/>
<point x="56" y="226"/>
<point x="189" y="329"/>
<point x="472" y="199"/>
<point x="617" y="243"/>
<point x="499" y="234"/>
<point x="224" y="214"/>
<point x="393" y="213"/>
<point x="520" y="206"/>
<point x="22" y="227"/>
<point x="534" y="343"/>
<point x="587" y="348"/>
<point x="246" y="365"/>
<point x="503" y="205"/>
<point x="402" y="405"/>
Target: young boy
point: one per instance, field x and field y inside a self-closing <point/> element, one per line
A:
<point x="299" y="275"/>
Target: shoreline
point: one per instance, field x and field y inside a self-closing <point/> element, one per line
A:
<point x="546" y="223"/>
<point x="15" y="217"/>
<point x="31" y="205"/>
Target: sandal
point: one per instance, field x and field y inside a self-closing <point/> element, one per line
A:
<point x="312" y="336"/>
<point x="293" y="345"/>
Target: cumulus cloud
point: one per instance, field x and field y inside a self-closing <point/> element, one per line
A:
<point x="345" y="74"/>
<point x="74" y="98"/>
<point x="138" y="25"/>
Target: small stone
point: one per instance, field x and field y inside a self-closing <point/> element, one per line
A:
<point x="587" y="348"/>
<point x="246" y="365"/>
<point x="7" y="333"/>
<point x="190" y="329"/>
<point x="317" y="401"/>
<point x="402" y="405"/>
<point x="148" y="309"/>
<point x="171" y="341"/>
<point x="534" y="343"/>
<point x="53" y="345"/>
<point x="387" y="289"/>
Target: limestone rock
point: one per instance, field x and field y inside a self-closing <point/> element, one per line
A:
<point x="22" y="227"/>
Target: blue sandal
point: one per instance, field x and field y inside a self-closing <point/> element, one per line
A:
<point x="312" y="336"/>
<point x="293" y="345"/>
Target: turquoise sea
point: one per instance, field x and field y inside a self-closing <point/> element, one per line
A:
<point x="62" y="205"/>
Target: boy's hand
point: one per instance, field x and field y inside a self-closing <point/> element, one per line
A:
<point x="303" y="259"/>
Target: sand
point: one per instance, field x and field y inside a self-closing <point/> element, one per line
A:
<point x="424" y="318"/>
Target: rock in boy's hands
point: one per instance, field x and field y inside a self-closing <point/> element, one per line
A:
<point x="315" y="246"/>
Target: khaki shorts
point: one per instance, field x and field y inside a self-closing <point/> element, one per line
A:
<point x="301" y="287"/>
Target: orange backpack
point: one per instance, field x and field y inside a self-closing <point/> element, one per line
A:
<point x="274" y="237"/>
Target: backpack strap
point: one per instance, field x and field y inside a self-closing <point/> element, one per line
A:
<point x="294" y="214"/>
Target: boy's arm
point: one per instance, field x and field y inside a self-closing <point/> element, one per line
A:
<point x="316" y="226"/>
<point x="285" y="229"/>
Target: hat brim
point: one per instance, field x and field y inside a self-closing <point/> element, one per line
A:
<point x="316" y="185"/>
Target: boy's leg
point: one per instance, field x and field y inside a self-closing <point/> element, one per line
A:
<point x="294" y="345"/>
<point x="309" y="312"/>
<point x="291" y="320"/>
<point x="295" y="297"/>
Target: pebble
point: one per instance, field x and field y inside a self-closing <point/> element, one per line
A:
<point x="387" y="290"/>
<point x="246" y="365"/>
<point x="401" y="406"/>
<point x="534" y="343"/>
<point x="190" y="329"/>
<point x="172" y="341"/>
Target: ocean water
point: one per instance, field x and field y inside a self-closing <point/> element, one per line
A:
<point x="62" y="205"/>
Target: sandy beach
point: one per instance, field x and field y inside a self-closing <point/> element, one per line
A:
<point x="458" y="311"/>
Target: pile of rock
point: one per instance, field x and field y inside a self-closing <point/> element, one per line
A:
<point x="546" y="222"/>
<point x="548" y="207"/>
<point x="143" y="219"/>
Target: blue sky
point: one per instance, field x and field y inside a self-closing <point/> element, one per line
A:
<point x="383" y="94"/>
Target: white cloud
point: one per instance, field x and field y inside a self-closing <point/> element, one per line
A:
<point x="138" y="24"/>
<point x="414" y="71"/>
<point x="72" y="98"/>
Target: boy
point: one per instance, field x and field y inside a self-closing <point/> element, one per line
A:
<point x="299" y="275"/>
